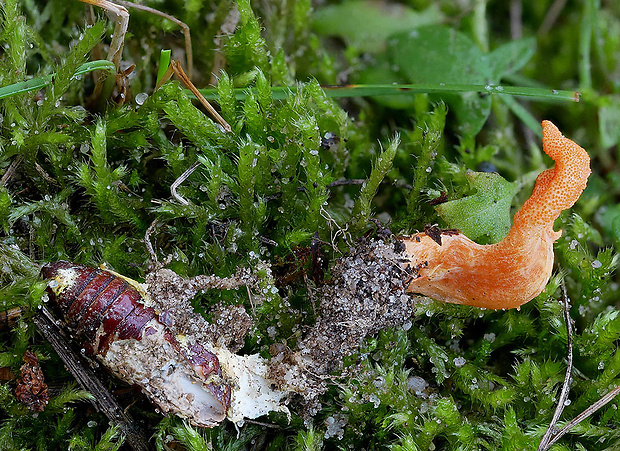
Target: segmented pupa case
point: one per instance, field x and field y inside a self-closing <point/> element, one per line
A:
<point x="108" y="315"/>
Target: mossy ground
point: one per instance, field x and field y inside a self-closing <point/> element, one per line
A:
<point x="82" y="180"/>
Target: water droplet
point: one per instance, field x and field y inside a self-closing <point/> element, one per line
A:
<point x="141" y="98"/>
<point x="489" y="337"/>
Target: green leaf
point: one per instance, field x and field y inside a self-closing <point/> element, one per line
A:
<point x="382" y="73"/>
<point x="471" y="111"/>
<point x="380" y="20"/>
<point x="511" y="57"/>
<point x="437" y="54"/>
<point x="40" y="82"/>
<point x="484" y="215"/>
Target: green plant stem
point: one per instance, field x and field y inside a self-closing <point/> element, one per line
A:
<point x="524" y="115"/>
<point x="542" y="94"/>
<point x="481" y="29"/>
<point x="590" y="7"/>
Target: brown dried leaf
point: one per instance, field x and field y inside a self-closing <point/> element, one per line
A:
<point x="31" y="390"/>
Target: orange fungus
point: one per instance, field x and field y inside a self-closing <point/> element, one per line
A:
<point x="515" y="270"/>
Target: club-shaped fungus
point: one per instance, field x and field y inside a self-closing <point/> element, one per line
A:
<point x="512" y="272"/>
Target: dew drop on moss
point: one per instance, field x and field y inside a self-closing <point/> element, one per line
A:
<point x="141" y="98"/>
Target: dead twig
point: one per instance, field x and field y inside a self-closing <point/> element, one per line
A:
<point x="8" y="318"/>
<point x="176" y="68"/>
<point x="345" y="182"/>
<point x="552" y="431"/>
<point x="86" y="377"/>
<point x="585" y="414"/>
<point x="516" y="22"/>
<point x="552" y="15"/>
<point x="553" y="434"/>
<point x="121" y="23"/>
<point x="149" y="245"/>
<point x="11" y="169"/>
<point x="154" y="263"/>
<point x="186" y="31"/>
<point x="44" y="174"/>
<point x="104" y="84"/>
<point x="227" y="28"/>
<point x="173" y="188"/>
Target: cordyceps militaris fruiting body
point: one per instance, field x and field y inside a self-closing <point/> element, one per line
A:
<point x="515" y="270"/>
<point x="114" y="320"/>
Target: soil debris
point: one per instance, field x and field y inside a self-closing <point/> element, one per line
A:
<point x="366" y="294"/>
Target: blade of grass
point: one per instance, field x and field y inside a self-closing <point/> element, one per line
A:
<point x="41" y="82"/>
<point x="585" y="44"/>
<point x="164" y="63"/>
<point x="543" y="94"/>
<point x="523" y="114"/>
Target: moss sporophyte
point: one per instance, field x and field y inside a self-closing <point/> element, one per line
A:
<point x="453" y="268"/>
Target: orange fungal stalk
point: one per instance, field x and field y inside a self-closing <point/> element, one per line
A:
<point x="514" y="271"/>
